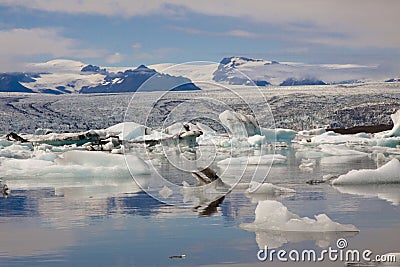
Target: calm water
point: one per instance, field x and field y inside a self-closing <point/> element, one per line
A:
<point x="111" y="225"/>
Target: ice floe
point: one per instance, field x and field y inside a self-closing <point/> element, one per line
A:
<point x="388" y="173"/>
<point x="74" y="164"/>
<point x="278" y="135"/>
<point x="273" y="215"/>
<point x="267" y="188"/>
<point x="254" y="160"/>
<point x="396" y="125"/>
<point x="275" y="225"/>
<point x="239" y="125"/>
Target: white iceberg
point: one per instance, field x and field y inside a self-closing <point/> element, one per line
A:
<point x="238" y="124"/>
<point x="336" y="138"/>
<point x="257" y="140"/>
<point x="340" y="150"/>
<point x="274" y="216"/>
<point x="388" y="173"/>
<point x="396" y="125"/>
<point x="74" y="164"/>
<point x="254" y="160"/>
<point x="127" y="130"/>
<point x="317" y="131"/>
<point x="278" y="135"/>
<point x="16" y="151"/>
<point x="267" y="188"/>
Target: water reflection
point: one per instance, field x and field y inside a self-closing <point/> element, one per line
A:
<point x="276" y="239"/>
<point x="388" y="192"/>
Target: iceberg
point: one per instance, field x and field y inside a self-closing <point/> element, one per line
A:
<point x="340" y="150"/>
<point x="274" y="226"/>
<point x="127" y="130"/>
<point x="257" y="140"/>
<point x="274" y="216"/>
<point x="74" y="164"/>
<point x="238" y="124"/>
<point x="386" y="174"/>
<point x="396" y="125"/>
<point x="267" y="188"/>
<point x="278" y="135"/>
<point x="16" y="151"/>
<point x="254" y="160"/>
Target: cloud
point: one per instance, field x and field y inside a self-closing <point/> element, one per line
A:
<point x="19" y="45"/>
<point x="156" y="54"/>
<point x="137" y="46"/>
<point x="114" y="58"/>
<point x="356" y="23"/>
<point x="233" y="33"/>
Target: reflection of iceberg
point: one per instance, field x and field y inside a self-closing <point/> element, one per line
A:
<point x="205" y="199"/>
<point x="273" y="216"/>
<point x="275" y="239"/>
<point x="388" y="192"/>
<point x="388" y="173"/>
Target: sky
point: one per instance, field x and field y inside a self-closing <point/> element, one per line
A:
<point x="130" y="33"/>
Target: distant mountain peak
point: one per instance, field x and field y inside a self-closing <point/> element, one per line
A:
<point x="93" y="69"/>
<point x="235" y="61"/>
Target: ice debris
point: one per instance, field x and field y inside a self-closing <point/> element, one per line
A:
<point x="386" y="174"/>
<point x="74" y="164"/>
<point x="267" y="188"/>
<point x="396" y="125"/>
<point x="254" y="160"/>
<point x="273" y="215"/>
<point x="238" y="124"/>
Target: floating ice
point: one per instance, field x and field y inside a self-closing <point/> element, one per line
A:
<point x="278" y="135"/>
<point x="312" y="132"/>
<point x="254" y="160"/>
<point x="74" y="164"/>
<point x="238" y="124"/>
<point x="396" y="125"/>
<point x="340" y="150"/>
<point x="273" y="215"/>
<point x="16" y="151"/>
<point x="128" y="130"/>
<point x="267" y="188"/>
<point x="388" y="173"/>
<point x="257" y="140"/>
<point x="335" y="138"/>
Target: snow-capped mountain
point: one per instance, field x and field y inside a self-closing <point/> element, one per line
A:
<point x="142" y="77"/>
<point x="248" y="71"/>
<point x="68" y="76"/>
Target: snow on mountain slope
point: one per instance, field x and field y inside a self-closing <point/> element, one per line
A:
<point x="68" y="76"/>
<point x="201" y="72"/>
<point x="232" y="70"/>
<point x="61" y="75"/>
